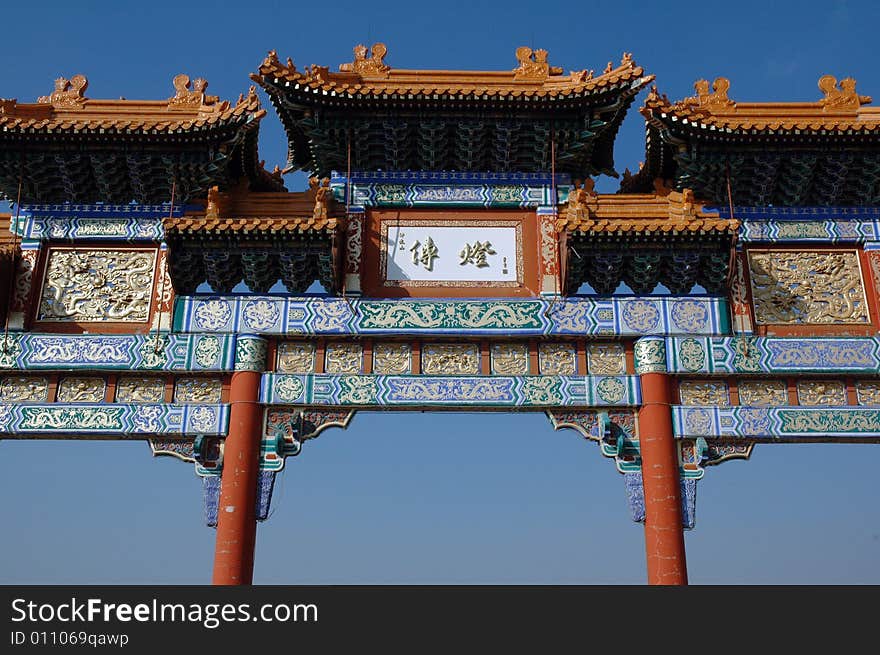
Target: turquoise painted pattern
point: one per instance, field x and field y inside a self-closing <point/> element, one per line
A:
<point x="575" y="316"/>
<point x="798" y="423"/>
<point x="112" y="420"/>
<point x="724" y="355"/>
<point x="464" y="392"/>
<point x="122" y="352"/>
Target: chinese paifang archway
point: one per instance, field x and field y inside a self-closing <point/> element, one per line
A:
<point x="158" y="276"/>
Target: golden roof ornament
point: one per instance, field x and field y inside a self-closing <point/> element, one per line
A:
<point x="714" y="100"/>
<point x="581" y="200"/>
<point x="533" y="65"/>
<point x="272" y="59"/>
<point x="372" y="65"/>
<point x="190" y="94"/>
<point x="322" y="192"/>
<point x="840" y="96"/>
<point x="68" y="94"/>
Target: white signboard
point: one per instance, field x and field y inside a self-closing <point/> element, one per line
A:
<point x="423" y="252"/>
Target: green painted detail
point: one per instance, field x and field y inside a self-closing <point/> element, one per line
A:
<point x="823" y="421"/>
<point x="451" y="315"/>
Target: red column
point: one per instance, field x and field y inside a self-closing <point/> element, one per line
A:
<point x="664" y="537"/>
<point x="236" y="515"/>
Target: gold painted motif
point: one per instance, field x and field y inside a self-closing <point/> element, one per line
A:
<point x="510" y="358"/>
<point x="24" y="389"/>
<point x="606" y="358"/>
<point x="868" y="392"/>
<point x="451" y="359"/>
<point x="140" y="389"/>
<point x="296" y="357"/>
<point x="392" y="358"/>
<point x="475" y="253"/>
<point x="81" y="390"/>
<point x="198" y="390"/>
<point x="425" y="253"/>
<point x="807" y="287"/>
<point x="557" y="359"/>
<point x="758" y="393"/>
<point x="704" y="392"/>
<point x="344" y="358"/>
<point x="98" y="285"/>
<point x="821" y="392"/>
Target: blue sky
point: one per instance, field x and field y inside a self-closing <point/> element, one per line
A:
<point x="443" y="497"/>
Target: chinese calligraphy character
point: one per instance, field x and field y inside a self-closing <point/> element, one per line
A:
<point x="476" y="254"/>
<point x="424" y="254"/>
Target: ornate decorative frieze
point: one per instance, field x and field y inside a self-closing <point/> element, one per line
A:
<point x="793" y="287"/>
<point x="557" y="359"/>
<point x="82" y="390"/>
<point x="24" y="389"/>
<point x="198" y="390"/>
<point x="344" y="358"/>
<point x="772" y="355"/>
<point x="296" y="357"/>
<point x="450" y="359"/>
<point x="450" y="391"/>
<point x="704" y="392"/>
<point x="769" y="424"/>
<point x="406" y="316"/>
<point x="98" y="285"/>
<point x="393" y="358"/>
<point x="166" y="352"/>
<point x="758" y="393"/>
<point x="112" y="420"/>
<point x="510" y="358"/>
<point x="606" y="358"/>
<point x="140" y="389"/>
<point x="868" y="392"/>
<point x="821" y="392"/>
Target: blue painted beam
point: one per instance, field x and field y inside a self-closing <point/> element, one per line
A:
<point x="462" y="392"/>
<point x="572" y="316"/>
<point x="778" y="424"/>
<point x="111" y="420"/>
<point x="117" y="352"/>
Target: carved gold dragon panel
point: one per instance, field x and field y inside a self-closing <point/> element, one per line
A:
<point x="791" y="287"/>
<point x="98" y="285"/>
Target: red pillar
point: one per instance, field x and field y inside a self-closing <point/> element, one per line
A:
<point x="664" y="536"/>
<point x="236" y="515"/>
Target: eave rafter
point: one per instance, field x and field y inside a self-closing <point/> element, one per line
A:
<point x="450" y="120"/>
<point x="70" y="148"/>
<point x="784" y="154"/>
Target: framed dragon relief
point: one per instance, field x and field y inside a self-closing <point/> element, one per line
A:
<point x="113" y="287"/>
<point x="429" y="254"/>
<point x="809" y="289"/>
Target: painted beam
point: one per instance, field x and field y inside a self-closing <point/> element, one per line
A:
<point x="99" y="420"/>
<point x="93" y="222"/>
<point x="778" y="424"/>
<point x="463" y="189"/>
<point x="451" y="392"/>
<point x="117" y="352"/>
<point x="777" y="355"/>
<point x="805" y="224"/>
<point x="573" y="316"/>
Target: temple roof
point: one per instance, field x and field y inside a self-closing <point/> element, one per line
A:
<point x="371" y="76"/>
<point x="662" y="213"/>
<point x="192" y="138"/>
<point x="397" y="119"/>
<point x="825" y="152"/>
<point x="841" y="110"/>
<point x="240" y="213"/>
